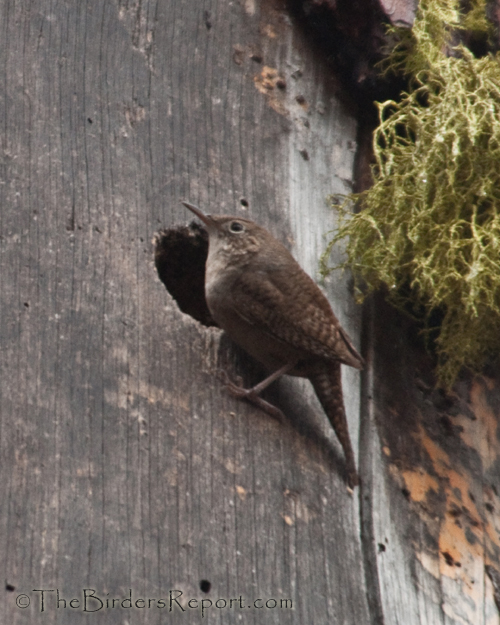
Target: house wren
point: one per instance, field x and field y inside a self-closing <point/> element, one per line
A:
<point x="257" y="292"/>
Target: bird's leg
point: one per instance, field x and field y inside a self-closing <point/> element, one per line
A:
<point x="252" y="394"/>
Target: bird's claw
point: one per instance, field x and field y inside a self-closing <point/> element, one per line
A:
<point x="237" y="390"/>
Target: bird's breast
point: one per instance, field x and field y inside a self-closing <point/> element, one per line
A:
<point x="219" y="284"/>
<point x="219" y="279"/>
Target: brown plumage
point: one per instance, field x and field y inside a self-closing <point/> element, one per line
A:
<point x="258" y="293"/>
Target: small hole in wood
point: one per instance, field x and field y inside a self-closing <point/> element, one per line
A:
<point x="207" y="17"/>
<point x="26" y="305"/>
<point x="205" y="586"/>
<point x="381" y="547"/>
<point x="455" y="512"/>
<point x="446" y="426"/>
<point x="244" y="202"/>
<point x="89" y="120"/>
<point x="9" y="587"/>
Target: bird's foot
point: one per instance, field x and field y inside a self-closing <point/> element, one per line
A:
<point x="250" y="395"/>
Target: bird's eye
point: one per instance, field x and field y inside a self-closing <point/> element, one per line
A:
<point x="235" y="226"/>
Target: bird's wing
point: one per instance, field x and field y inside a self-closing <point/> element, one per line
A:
<point x="289" y="306"/>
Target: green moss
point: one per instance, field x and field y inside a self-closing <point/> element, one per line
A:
<point x="431" y="219"/>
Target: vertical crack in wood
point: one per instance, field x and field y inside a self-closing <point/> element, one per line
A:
<point x="367" y="442"/>
<point x="494" y="576"/>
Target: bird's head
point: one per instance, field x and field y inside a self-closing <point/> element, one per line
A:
<point x="235" y="235"/>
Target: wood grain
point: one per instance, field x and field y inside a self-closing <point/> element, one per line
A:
<point x="125" y="466"/>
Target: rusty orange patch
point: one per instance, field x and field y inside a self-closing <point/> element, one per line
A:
<point x="481" y="434"/>
<point x="419" y="483"/>
<point x="266" y="83"/>
<point x="440" y="459"/>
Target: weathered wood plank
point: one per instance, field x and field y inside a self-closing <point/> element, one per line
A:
<point x="125" y="465"/>
<point x="432" y="493"/>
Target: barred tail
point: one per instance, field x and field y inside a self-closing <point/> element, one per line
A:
<point x="327" y="384"/>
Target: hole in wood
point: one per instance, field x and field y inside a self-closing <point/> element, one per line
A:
<point x="180" y="257"/>
<point x="205" y="585"/>
<point x="9" y="587"/>
<point x="244" y="202"/>
<point x="447" y="426"/>
<point x="207" y="17"/>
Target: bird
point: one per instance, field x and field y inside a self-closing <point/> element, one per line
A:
<point x="267" y="304"/>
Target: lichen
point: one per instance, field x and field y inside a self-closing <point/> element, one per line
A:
<point x="429" y="227"/>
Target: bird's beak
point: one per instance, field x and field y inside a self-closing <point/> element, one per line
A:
<point x="199" y="213"/>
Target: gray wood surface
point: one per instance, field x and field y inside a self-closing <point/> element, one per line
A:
<point x="124" y="464"/>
